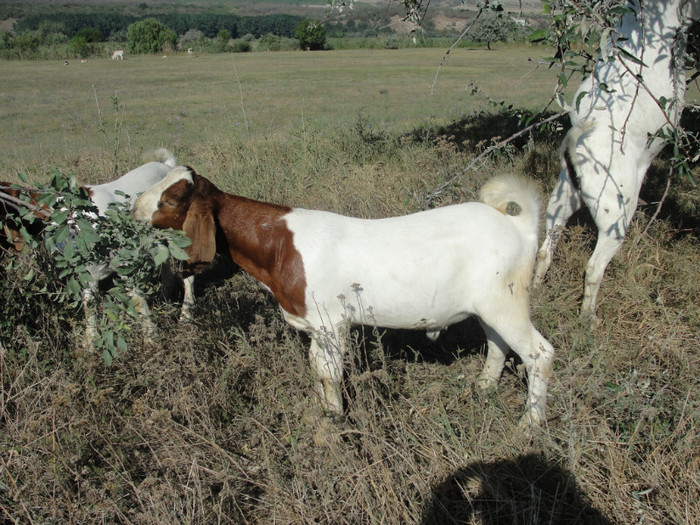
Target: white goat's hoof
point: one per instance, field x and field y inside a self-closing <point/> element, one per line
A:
<point x="486" y="383"/>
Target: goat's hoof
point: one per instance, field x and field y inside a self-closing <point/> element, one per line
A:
<point x="589" y="318"/>
<point x="530" y="421"/>
<point x="328" y="431"/>
<point x="486" y="384"/>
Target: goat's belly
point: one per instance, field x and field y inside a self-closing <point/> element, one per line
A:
<point x="391" y="305"/>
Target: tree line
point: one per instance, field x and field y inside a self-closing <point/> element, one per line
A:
<point x="114" y="25"/>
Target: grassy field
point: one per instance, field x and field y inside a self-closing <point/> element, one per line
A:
<point x="214" y="423"/>
<point x="56" y="114"/>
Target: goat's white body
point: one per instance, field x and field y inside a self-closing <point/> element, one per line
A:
<point x="427" y="270"/>
<point x="608" y="146"/>
<point x="118" y="54"/>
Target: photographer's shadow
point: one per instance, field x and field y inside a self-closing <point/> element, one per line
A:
<point x="526" y="490"/>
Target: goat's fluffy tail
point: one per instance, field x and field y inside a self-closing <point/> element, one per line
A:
<point x="567" y="150"/>
<point x="160" y="155"/>
<point x="500" y="191"/>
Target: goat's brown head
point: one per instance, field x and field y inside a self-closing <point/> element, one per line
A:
<point x="183" y="201"/>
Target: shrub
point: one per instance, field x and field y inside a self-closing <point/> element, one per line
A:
<point x="270" y="42"/>
<point x="75" y="239"/>
<point x="242" y="46"/>
<point x="149" y="36"/>
<point x="311" y="35"/>
<point x="80" y="47"/>
<point x="89" y="34"/>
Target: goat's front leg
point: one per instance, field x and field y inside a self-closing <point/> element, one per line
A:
<point x="144" y="311"/>
<point x="88" y="299"/>
<point x="326" y="360"/>
<point x="188" y="299"/>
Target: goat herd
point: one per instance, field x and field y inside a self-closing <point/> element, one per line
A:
<point x="434" y="268"/>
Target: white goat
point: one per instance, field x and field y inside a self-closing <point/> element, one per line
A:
<point x="424" y="271"/>
<point x="156" y="166"/>
<point x="619" y="110"/>
<point x="118" y="54"/>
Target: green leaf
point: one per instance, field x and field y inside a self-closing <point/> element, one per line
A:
<point x="178" y="252"/>
<point x="161" y="255"/>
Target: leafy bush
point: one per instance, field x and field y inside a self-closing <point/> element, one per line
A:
<point x="74" y="239"/>
<point x="80" y="47"/>
<point x="149" y="36"/>
<point x="270" y="42"/>
<point x="311" y="35"/>
<point x="90" y="34"/>
<point x="242" y="46"/>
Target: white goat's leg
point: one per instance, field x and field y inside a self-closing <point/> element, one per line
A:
<point x="612" y="203"/>
<point x="188" y="300"/>
<point x="605" y="249"/>
<point x="496" y="354"/>
<point x="538" y="362"/>
<point x="507" y="324"/>
<point x="88" y="298"/>
<point x="326" y="360"/>
<point x="563" y="203"/>
<point x="141" y="306"/>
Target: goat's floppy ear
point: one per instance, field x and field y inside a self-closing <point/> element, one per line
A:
<point x="200" y="227"/>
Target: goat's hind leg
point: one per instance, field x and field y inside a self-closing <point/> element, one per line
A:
<point x="88" y="300"/>
<point x="496" y="352"/>
<point x="563" y="203"/>
<point x="511" y="328"/>
<point x="612" y="210"/>
<point x="605" y="249"/>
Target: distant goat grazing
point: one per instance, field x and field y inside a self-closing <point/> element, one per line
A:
<point x="424" y="271"/>
<point x="618" y="112"/>
<point x="118" y="54"/>
<point x="157" y="165"/>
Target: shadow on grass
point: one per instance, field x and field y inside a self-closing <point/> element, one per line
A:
<point x="526" y="490"/>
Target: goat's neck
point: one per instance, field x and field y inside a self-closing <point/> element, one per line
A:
<point x="259" y="241"/>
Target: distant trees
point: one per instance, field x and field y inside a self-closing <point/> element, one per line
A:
<point x="111" y="24"/>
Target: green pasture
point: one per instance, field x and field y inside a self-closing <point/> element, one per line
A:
<point x="54" y="114"/>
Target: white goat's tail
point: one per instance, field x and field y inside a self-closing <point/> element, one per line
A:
<point x="160" y="155"/>
<point x="500" y="191"/>
<point x="567" y="150"/>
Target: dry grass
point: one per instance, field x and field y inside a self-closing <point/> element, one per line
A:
<point x="214" y="424"/>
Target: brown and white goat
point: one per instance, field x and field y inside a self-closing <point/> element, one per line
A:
<point x="619" y="110"/>
<point x="424" y="271"/>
